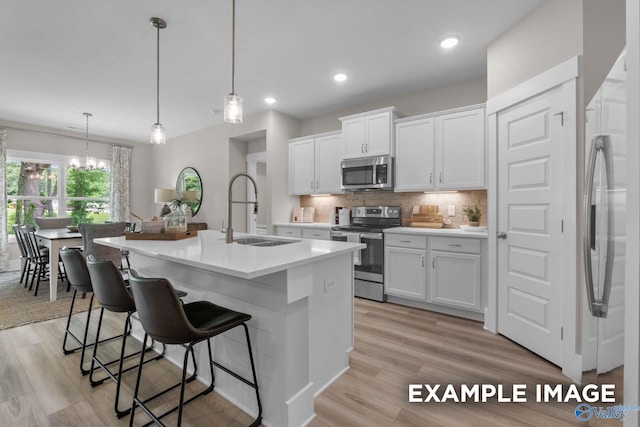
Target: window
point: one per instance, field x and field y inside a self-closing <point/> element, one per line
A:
<point x="40" y="187"/>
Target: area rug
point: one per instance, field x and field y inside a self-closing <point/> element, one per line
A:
<point x="18" y="306"/>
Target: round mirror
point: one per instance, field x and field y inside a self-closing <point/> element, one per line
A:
<point x="189" y="189"/>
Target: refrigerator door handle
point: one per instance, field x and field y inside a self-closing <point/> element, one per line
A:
<point x="598" y="306"/>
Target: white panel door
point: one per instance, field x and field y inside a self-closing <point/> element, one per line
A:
<point x="328" y="157"/>
<point x="414" y="155"/>
<point x="530" y="192"/>
<point x="301" y="161"/>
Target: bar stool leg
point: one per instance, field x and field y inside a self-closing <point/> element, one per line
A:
<point x="258" y="420"/>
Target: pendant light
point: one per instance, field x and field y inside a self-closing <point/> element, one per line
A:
<point x="90" y="163"/>
<point x="158" y="135"/>
<point x="232" y="102"/>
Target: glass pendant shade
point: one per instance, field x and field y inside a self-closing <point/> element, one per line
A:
<point x="232" y="108"/>
<point x="157" y="134"/>
<point x="92" y="163"/>
<point x="74" y="162"/>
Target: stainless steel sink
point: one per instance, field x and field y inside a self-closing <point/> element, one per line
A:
<point x="259" y="241"/>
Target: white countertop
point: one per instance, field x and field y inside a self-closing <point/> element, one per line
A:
<point x="210" y="252"/>
<point x="323" y="225"/>
<point x="438" y="232"/>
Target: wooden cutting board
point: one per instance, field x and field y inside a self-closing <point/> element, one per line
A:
<point x="419" y="224"/>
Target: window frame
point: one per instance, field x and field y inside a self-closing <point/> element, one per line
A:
<point x="61" y="161"/>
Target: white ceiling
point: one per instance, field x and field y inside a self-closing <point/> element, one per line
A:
<point x="59" y="59"/>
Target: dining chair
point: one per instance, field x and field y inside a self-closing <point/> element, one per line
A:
<point x="49" y="223"/>
<point x="38" y="257"/>
<point x="100" y="252"/>
<point x="25" y="261"/>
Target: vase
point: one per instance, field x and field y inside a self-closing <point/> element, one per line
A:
<point x="473" y="224"/>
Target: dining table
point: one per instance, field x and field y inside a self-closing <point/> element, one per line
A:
<point x="55" y="239"/>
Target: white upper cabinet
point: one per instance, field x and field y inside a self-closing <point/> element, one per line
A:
<point x="328" y="155"/>
<point x="415" y="148"/>
<point x="314" y="164"/>
<point x="441" y="151"/>
<point x="369" y="134"/>
<point x="301" y="171"/>
<point x="460" y="150"/>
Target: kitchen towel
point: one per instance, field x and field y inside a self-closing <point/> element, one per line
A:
<point x="355" y="238"/>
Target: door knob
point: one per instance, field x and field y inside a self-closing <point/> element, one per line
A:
<point x="501" y="235"/>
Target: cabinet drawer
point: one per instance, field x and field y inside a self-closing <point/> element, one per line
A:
<point x="405" y="240"/>
<point x="310" y="233"/>
<point x="456" y="244"/>
<point x="289" y="231"/>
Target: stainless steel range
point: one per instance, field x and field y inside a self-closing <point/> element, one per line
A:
<point x="367" y="225"/>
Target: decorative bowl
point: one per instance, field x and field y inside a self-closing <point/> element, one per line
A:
<point x="72" y="228"/>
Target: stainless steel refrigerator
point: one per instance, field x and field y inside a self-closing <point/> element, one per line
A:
<point x="604" y="225"/>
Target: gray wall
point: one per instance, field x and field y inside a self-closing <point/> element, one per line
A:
<point x="460" y="94"/>
<point x="544" y="38"/>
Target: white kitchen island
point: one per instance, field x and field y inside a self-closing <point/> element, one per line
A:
<point x="300" y="297"/>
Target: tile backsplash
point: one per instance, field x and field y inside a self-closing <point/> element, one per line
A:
<point x="324" y="205"/>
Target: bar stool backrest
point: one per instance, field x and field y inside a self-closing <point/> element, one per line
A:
<point x="101" y="252"/>
<point x="109" y="287"/>
<point x="160" y="310"/>
<point x="76" y="267"/>
<point x="48" y="223"/>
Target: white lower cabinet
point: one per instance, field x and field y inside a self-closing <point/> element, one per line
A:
<point x="456" y="279"/>
<point x="440" y="273"/>
<point x="304" y="232"/>
<point x="288" y="231"/>
<point x="405" y="273"/>
<point x="405" y="259"/>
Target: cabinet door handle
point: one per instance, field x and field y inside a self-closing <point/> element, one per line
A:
<point x="312" y="184"/>
<point x="455" y="246"/>
<point x="433" y="263"/>
<point x="405" y="241"/>
<point x="366" y="148"/>
<point x="362" y="148"/>
<point x="441" y="177"/>
<point x="317" y="184"/>
<point x="431" y="178"/>
<point x="423" y="261"/>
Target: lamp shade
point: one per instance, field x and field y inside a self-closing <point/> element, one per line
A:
<point x="190" y="195"/>
<point x="164" y="195"/>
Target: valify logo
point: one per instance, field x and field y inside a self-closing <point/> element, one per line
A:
<point x="585" y="412"/>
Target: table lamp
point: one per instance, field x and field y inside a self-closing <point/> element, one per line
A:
<point x="164" y="195"/>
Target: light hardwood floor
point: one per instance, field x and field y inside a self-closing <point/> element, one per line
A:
<point x="394" y="346"/>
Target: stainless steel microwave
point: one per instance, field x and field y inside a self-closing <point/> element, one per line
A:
<point x="367" y="173"/>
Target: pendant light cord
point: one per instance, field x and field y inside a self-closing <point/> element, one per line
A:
<point x="87" y="115"/>
<point x="233" y="48"/>
<point x="158" y="76"/>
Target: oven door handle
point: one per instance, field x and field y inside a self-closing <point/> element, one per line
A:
<point x="373" y="236"/>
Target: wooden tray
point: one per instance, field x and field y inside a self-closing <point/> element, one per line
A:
<point x="161" y="236"/>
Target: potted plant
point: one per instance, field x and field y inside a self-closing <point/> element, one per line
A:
<point x="473" y="215"/>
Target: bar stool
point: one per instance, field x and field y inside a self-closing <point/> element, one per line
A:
<point x="78" y="277"/>
<point x="168" y="321"/>
<point x="112" y="294"/>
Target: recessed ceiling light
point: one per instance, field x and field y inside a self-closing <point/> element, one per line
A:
<point x="270" y="100"/>
<point x="340" y="77"/>
<point x="449" y="42"/>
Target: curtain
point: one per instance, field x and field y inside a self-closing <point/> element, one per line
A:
<point x="4" y="238"/>
<point x="120" y="177"/>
